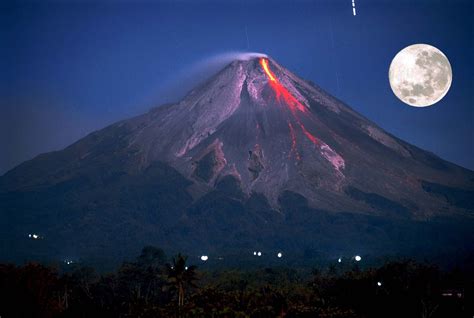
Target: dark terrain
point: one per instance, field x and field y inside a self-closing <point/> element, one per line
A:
<point x="149" y="285"/>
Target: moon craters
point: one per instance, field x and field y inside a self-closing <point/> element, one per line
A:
<point x="420" y="75"/>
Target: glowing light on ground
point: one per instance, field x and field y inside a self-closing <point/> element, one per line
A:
<point x="358" y="258"/>
<point x="34" y="236"/>
<point x="379" y="284"/>
<point x="254" y="253"/>
<point x="259" y="254"/>
<point x="204" y="258"/>
<point x="339" y="260"/>
<point x="279" y="255"/>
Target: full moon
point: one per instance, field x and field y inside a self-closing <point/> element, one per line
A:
<point x="420" y="75"/>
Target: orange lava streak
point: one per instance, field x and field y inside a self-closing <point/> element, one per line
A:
<point x="264" y="64"/>
<point x="293" y="104"/>
<point x="280" y="90"/>
<point x="293" y="143"/>
<point x="308" y="135"/>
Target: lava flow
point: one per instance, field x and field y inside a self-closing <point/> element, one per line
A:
<point x="293" y="143"/>
<point x="264" y="64"/>
<point x="291" y="101"/>
<point x="280" y="90"/>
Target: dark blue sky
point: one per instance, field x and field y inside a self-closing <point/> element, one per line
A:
<point x="70" y="67"/>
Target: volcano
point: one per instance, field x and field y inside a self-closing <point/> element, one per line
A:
<point x="255" y="157"/>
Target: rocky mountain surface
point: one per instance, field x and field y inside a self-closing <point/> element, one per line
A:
<point x="254" y="157"/>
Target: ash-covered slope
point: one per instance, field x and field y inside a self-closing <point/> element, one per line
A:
<point x="253" y="152"/>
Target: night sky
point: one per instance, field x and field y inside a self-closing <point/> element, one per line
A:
<point x="70" y="67"/>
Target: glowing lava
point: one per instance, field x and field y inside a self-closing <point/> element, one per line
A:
<point x="291" y="101"/>
<point x="293" y="143"/>
<point x="280" y="90"/>
<point x="270" y="75"/>
<point x="308" y="135"/>
<point x="294" y="106"/>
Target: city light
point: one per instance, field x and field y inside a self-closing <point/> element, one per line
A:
<point x="34" y="236"/>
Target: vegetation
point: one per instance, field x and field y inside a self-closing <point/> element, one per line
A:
<point x="151" y="287"/>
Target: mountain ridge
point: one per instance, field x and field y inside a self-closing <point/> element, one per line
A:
<point x="232" y="153"/>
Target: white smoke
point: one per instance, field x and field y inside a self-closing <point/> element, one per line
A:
<point x="190" y="76"/>
<point x="216" y="62"/>
<point x="228" y="57"/>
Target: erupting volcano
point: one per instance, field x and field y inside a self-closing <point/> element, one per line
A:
<point x="254" y="156"/>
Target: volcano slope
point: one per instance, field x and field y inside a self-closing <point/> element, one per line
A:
<point x="255" y="157"/>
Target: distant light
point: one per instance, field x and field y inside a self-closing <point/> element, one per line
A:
<point x="172" y="267"/>
<point x="339" y="260"/>
<point x="259" y="253"/>
<point x="379" y="284"/>
<point x="34" y="236"/>
<point x="185" y="268"/>
<point x="254" y="253"/>
<point x="358" y="258"/>
<point x="279" y="255"/>
<point x="204" y="258"/>
<point x="68" y="262"/>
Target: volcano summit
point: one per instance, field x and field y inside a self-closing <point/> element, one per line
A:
<point x="255" y="156"/>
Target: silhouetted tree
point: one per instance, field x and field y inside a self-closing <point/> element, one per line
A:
<point x="180" y="276"/>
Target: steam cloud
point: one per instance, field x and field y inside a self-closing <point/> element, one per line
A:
<point x="184" y="80"/>
<point x="231" y="56"/>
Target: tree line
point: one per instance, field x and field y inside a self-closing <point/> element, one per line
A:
<point x="154" y="286"/>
